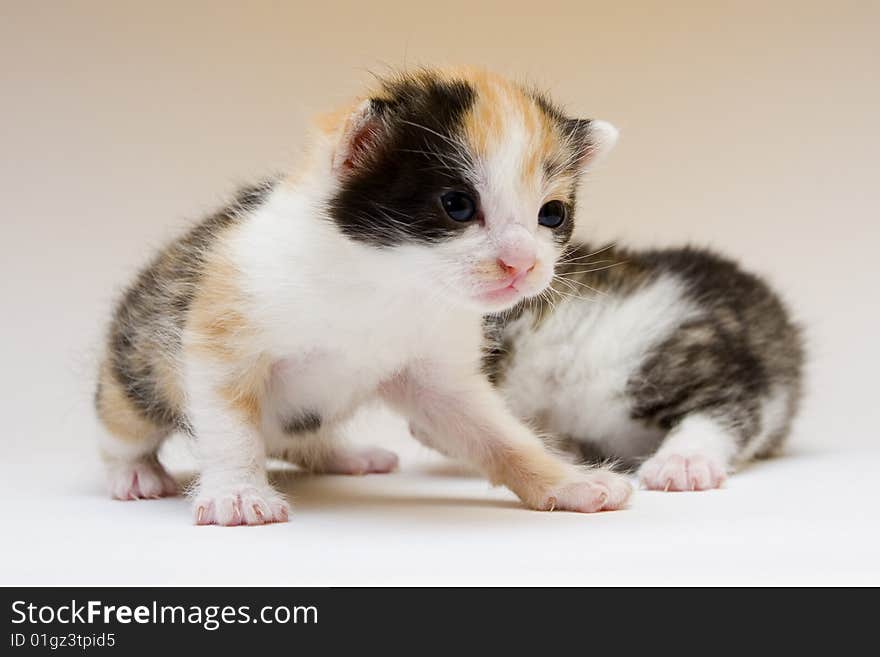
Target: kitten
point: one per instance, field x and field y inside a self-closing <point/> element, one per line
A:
<point x="674" y="360"/>
<point x="441" y="197"/>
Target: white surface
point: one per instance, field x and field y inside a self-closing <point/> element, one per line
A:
<point x="748" y="126"/>
<point x="809" y="518"/>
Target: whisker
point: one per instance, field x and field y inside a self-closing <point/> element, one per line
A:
<point x="570" y="290"/>
<point x="588" y="271"/>
<point x="578" y="264"/>
<point x="597" y="252"/>
<point x="592" y="289"/>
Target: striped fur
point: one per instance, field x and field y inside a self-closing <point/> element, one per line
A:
<point x="675" y="360"/>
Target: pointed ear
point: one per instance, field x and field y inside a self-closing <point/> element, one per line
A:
<point x="362" y="137"/>
<point x="593" y="139"/>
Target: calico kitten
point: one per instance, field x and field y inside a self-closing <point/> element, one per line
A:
<point x="440" y="197"/>
<point x="676" y="361"/>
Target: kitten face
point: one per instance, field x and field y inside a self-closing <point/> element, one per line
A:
<point x="468" y="179"/>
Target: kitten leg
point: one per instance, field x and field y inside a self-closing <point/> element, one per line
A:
<point x="358" y="461"/>
<point x="695" y="455"/>
<point x="423" y="435"/>
<point x="233" y="488"/>
<point x="326" y="453"/>
<point x="713" y="382"/>
<point x="464" y="415"/>
<point x="134" y="471"/>
<point x="129" y="445"/>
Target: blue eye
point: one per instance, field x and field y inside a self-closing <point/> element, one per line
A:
<point x="552" y="214"/>
<point x="459" y="206"/>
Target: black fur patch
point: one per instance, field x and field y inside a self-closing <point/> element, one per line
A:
<point x="395" y="199"/>
<point x="419" y="154"/>
<point x="702" y="367"/>
<point x="725" y="363"/>
<point x="305" y="422"/>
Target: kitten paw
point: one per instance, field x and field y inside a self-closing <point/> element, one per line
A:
<point x="140" y="480"/>
<point x="674" y="472"/>
<point x="596" y="490"/>
<point x="240" y="505"/>
<point x="359" y="461"/>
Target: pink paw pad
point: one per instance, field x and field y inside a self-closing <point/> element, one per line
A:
<point x="675" y="472"/>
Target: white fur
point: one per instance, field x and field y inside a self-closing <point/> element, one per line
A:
<point x="603" y="136"/>
<point x="571" y="374"/>
<point x="696" y="455"/>
<point x="775" y="413"/>
<point x="233" y="487"/>
<point x="343" y="323"/>
<point x="133" y="471"/>
<point x="700" y="434"/>
<point x="572" y="371"/>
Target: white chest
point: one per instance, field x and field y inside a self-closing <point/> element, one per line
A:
<point x="332" y="362"/>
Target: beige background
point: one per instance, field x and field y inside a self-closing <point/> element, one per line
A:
<point x="751" y="127"/>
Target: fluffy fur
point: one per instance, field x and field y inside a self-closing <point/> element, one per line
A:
<point x="272" y="321"/>
<point x="673" y="361"/>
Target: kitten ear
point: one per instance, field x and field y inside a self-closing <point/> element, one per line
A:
<point x="592" y="138"/>
<point x="362" y="136"/>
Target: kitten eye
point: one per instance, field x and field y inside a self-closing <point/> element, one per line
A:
<point x="552" y="214"/>
<point x="459" y="206"/>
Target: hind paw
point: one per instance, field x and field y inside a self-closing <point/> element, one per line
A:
<point x="359" y="461"/>
<point x="140" y="480"/>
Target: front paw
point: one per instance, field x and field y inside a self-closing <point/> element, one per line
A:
<point x="239" y="505"/>
<point x="594" y="490"/>
<point x="674" y="472"/>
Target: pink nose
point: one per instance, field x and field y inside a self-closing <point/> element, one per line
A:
<point x="517" y="265"/>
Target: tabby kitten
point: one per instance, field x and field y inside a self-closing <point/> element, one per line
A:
<point x="675" y="362"/>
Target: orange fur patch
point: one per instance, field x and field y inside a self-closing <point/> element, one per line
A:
<point x="499" y="104"/>
<point x="119" y="415"/>
<point x="219" y="331"/>
<point x="216" y="325"/>
<point x="243" y="393"/>
<point x="529" y="470"/>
